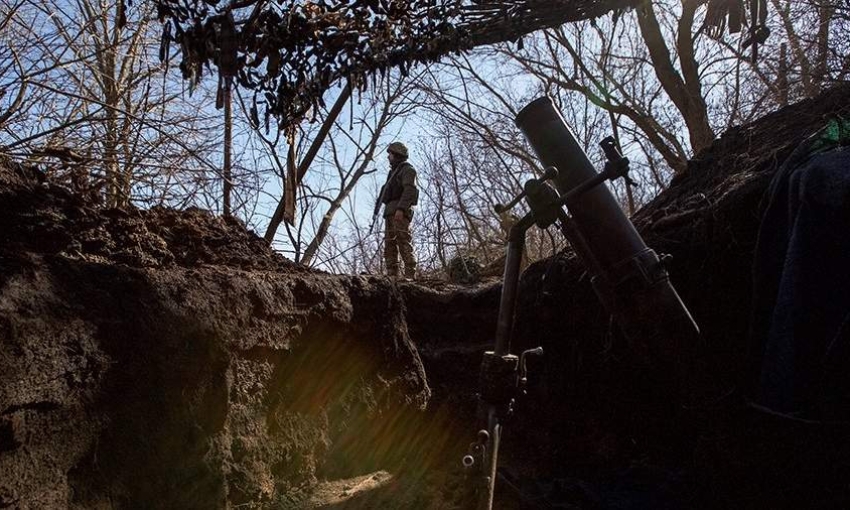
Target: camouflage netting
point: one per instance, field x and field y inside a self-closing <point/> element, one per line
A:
<point x="289" y="52"/>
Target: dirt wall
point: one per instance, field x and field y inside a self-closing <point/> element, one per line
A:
<point x="182" y="379"/>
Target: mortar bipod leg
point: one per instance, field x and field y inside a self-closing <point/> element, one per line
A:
<point x="510" y="285"/>
<point x="499" y="368"/>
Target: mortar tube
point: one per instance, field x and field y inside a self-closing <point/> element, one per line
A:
<point x="609" y="234"/>
<point x="642" y="299"/>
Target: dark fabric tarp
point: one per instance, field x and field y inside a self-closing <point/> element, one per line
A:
<point x="800" y="329"/>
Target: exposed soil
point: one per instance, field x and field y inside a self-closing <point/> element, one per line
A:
<point x="42" y="217"/>
<point x="163" y="359"/>
<point x="155" y="359"/>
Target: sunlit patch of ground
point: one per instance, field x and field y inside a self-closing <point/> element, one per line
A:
<point x="331" y="494"/>
<point x="386" y="491"/>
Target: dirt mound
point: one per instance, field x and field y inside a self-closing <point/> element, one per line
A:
<point x="177" y="349"/>
<point x="738" y="162"/>
<point x="42" y="217"/>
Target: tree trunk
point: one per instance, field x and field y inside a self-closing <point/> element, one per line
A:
<point x="227" y="173"/>
<point x="796" y="47"/>
<point x="782" y="78"/>
<point x="685" y="93"/>
<point x="825" y="14"/>
<point x="114" y="186"/>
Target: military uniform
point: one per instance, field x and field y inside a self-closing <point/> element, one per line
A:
<point x="400" y="193"/>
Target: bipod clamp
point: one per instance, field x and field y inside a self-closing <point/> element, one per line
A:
<point x="498" y="381"/>
<point x="503" y="379"/>
<point x="542" y="199"/>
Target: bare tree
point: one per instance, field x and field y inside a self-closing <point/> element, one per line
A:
<point x="12" y="74"/>
<point x="100" y="112"/>
<point x="652" y="78"/>
<point x="83" y="93"/>
<point x="340" y="153"/>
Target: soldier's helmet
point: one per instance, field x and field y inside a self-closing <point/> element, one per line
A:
<point x="398" y="148"/>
